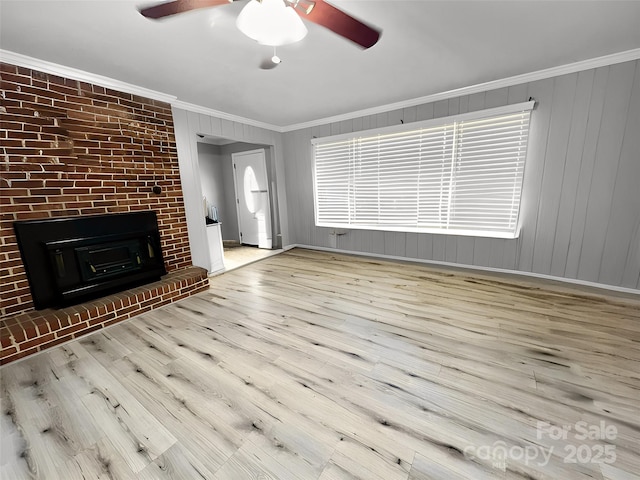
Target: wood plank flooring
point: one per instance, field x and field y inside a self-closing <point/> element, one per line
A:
<point x="311" y="365"/>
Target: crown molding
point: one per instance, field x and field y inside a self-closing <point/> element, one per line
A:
<point x="191" y="107"/>
<point x="68" y="72"/>
<point x="75" y="74"/>
<point x="628" y="55"/>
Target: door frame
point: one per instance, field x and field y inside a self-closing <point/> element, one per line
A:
<point x="237" y="191"/>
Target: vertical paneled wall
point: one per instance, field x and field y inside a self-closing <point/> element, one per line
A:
<point x="581" y="198"/>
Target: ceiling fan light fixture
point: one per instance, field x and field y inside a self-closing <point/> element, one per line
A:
<point x="271" y="22"/>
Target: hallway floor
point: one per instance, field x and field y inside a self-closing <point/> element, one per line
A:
<point x="238" y="256"/>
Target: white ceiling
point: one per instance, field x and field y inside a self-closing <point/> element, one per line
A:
<point x="427" y="47"/>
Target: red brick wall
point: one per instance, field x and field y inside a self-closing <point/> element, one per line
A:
<point x="70" y="148"/>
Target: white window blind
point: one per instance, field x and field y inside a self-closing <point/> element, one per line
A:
<point x="458" y="175"/>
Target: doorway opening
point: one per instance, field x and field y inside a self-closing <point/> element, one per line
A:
<point x="240" y="210"/>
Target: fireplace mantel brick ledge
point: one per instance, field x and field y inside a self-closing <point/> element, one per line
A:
<point x="31" y="332"/>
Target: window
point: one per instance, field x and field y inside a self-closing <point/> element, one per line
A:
<point x="459" y="175"/>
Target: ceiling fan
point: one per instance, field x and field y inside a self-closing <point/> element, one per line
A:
<point x="316" y="11"/>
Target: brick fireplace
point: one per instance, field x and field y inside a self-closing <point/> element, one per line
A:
<point x="70" y="148"/>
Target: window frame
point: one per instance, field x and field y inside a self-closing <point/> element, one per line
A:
<point x="411" y="127"/>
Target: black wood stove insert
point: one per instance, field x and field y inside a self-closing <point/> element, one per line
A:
<point x="74" y="259"/>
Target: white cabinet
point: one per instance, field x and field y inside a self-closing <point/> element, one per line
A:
<point x="216" y="253"/>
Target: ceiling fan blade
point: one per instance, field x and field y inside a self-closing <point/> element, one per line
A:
<point x="167" y="9"/>
<point x="339" y="22"/>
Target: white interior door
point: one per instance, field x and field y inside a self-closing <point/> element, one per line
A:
<point x="252" y="198"/>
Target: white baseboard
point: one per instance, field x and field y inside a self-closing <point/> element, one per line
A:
<point x="574" y="281"/>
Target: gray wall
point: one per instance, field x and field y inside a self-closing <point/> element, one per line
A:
<point x="230" y="230"/>
<point x="581" y="196"/>
<point x="211" y="180"/>
<point x="216" y="179"/>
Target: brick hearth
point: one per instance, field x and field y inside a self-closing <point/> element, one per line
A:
<point x="32" y="332"/>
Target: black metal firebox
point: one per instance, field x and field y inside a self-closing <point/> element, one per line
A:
<point x="73" y="259"/>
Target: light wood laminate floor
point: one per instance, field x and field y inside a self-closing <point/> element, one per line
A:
<point x="310" y="365"/>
